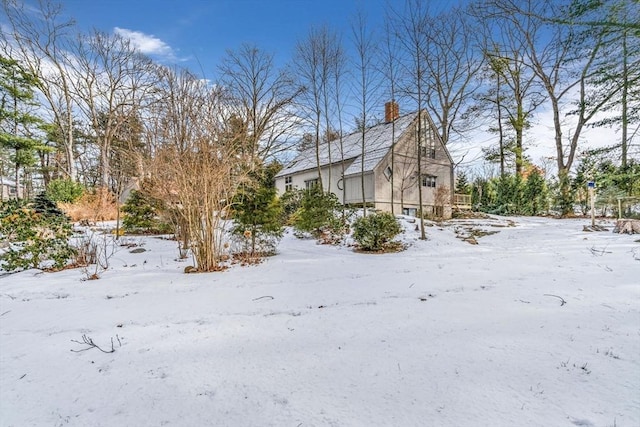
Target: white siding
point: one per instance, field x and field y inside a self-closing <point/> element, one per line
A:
<point x="298" y="179"/>
<point x="407" y="183"/>
<point x="354" y="189"/>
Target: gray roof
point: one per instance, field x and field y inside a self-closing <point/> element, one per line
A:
<point x="377" y="144"/>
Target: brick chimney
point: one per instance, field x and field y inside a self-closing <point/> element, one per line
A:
<point x="391" y="111"/>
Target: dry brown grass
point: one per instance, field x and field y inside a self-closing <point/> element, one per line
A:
<point x="99" y="205"/>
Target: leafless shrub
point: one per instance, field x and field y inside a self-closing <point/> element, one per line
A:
<point x="92" y="207"/>
<point x="197" y="165"/>
<point x="93" y="253"/>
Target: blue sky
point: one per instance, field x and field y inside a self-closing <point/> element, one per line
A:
<point x="196" y="33"/>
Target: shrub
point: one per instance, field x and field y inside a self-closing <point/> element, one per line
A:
<point x="318" y="214"/>
<point x="99" y="205"/>
<point x="64" y="190"/>
<point x="290" y="202"/>
<point x="36" y="232"/>
<point x="511" y="195"/>
<point x="141" y="215"/>
<point x="376" y="231"/>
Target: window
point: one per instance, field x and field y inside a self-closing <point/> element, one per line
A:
<point x="410" y="211"/>
<point x="429" y="181"/>
<point x="431" y="146"/>
<point x="428" y="148"/>
<point x="310" y="183"/>
<point x="388" y="172"/>
<point x="288" y="183"/>
<point x="427" y="138"/>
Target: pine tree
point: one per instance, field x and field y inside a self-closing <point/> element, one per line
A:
<point x="17" y="124"/>
<point x="43" y="205"/>
<point x="534" y="194"/>
<point x="462" y="184"/>
<point x="257" y="211"/>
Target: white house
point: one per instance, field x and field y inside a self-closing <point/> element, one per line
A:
<point x="8" y="189"/>
<point x="390" y="156"/>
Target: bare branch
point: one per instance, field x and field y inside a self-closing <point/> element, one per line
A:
<point x="562" y="301"/>
<point x="90" y="344"/>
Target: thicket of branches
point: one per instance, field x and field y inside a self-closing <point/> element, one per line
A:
<point x="90" y="108"/>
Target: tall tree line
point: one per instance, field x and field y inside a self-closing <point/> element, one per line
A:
<point x="490" y="65"/>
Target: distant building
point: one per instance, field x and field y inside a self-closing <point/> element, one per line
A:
<point x="9" y="189"/>
<point x="436" y="182"/>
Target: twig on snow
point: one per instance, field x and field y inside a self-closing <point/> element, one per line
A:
<point x="599" y="252"/>
<point x="562" y="301"/>
<point x="89" y="342"/>
<point x="8" y="311"/>
<point x="259" y="298"/>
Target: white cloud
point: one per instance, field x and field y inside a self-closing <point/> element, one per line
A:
<point x="147" y="44"/>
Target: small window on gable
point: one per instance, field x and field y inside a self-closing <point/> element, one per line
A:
<point x="427" y="140"/>
<point x="431" y="146"/>
<point x="288" y="183"/>
<point x="388" y="173"/>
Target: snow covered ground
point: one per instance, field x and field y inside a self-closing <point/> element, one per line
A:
<point x="443" y="334"/>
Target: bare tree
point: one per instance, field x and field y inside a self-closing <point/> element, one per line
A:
<point x="340" y="65"/>
<point x="308" y="67"/>
<point x="514" y="88"/>
<point x="263" y="98"/>
<point x="411" y="28"/>
<point x="366" y="88"/>
<point x="112" y="78"/>
<point x="316" y="63"/>
<point x="329" y="57"/>
<point x="451" y="67"/>
<point x="405" y="169"/>
<point x="391" y="76"/>
<point x="40" y="41"/>
<point x="171" y="128"/>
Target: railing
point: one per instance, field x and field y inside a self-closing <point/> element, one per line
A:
<point x="462" y="202"/>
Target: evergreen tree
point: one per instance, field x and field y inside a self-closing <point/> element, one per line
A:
<point x="480" y="194"/>
<point x="509" y="195"/>
<point x="17" y="123"/>
<point x="43" y="205"/>
<point x="534" y="194"/>
<point x="462" y="184"/>
<point x="257" y="211"/>
<point x="64" y="190"/>
<point x="141" y="214"/>
<point x="318" y="210"/>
